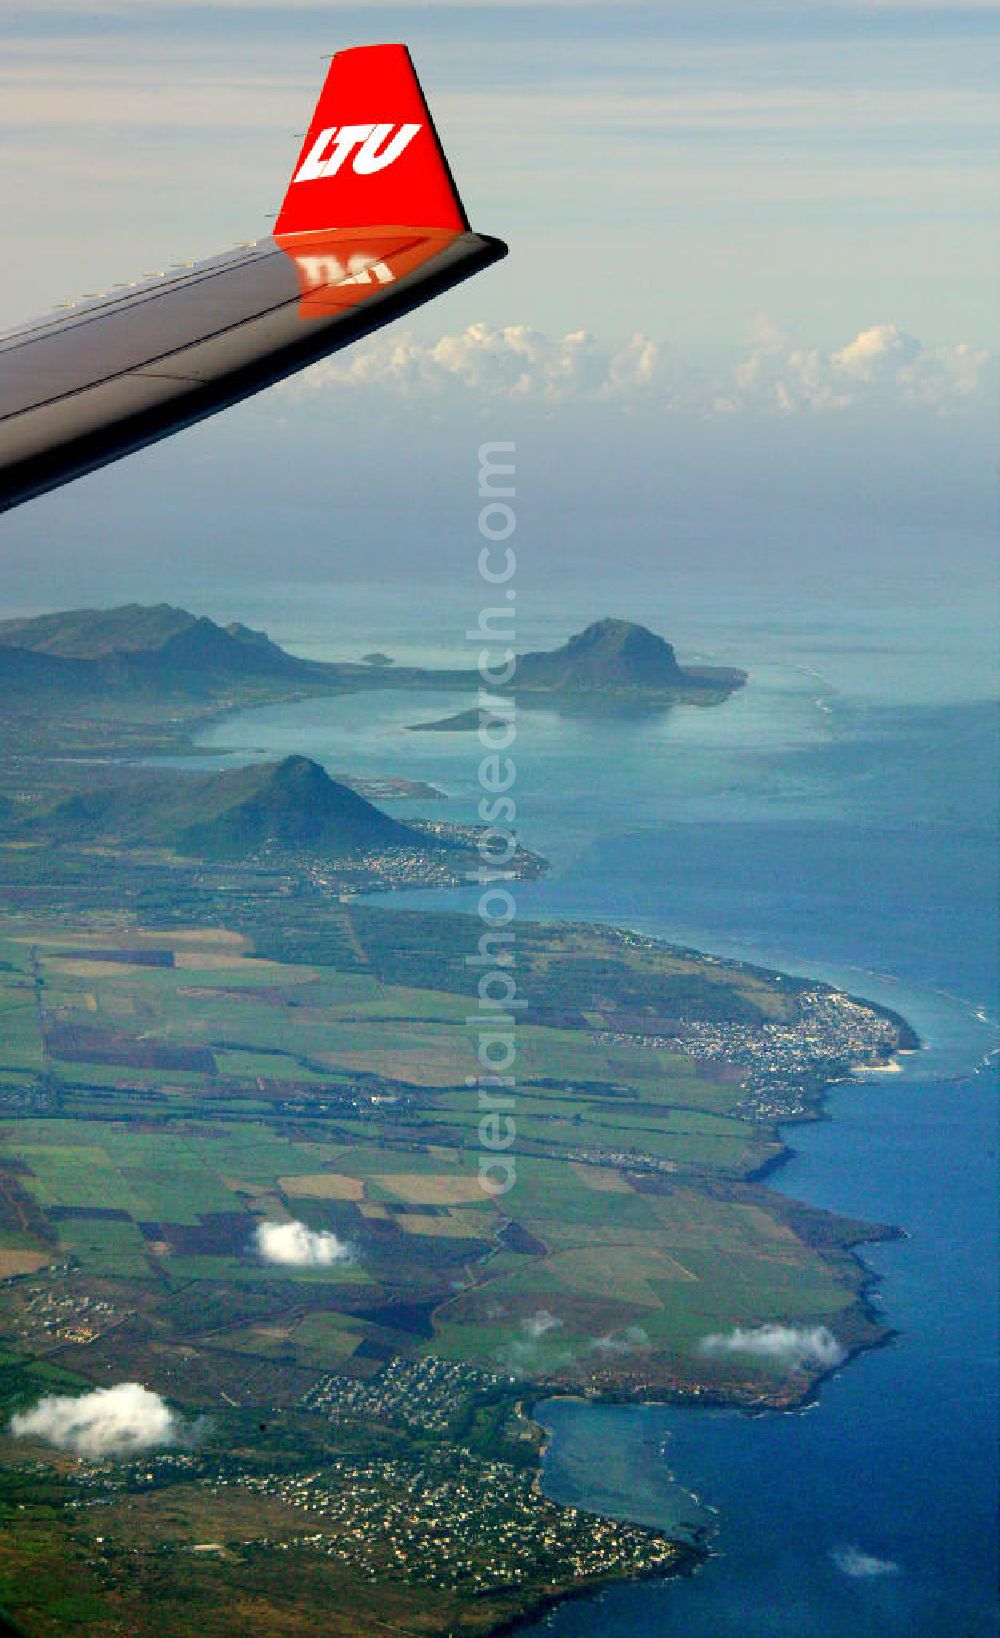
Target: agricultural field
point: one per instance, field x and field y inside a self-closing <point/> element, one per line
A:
<point x="240" y="1165"/>
<point x="197" y="1089"/>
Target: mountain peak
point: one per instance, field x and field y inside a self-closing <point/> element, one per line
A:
<point x="292" y="805"/>
<point x="607" y="653"/>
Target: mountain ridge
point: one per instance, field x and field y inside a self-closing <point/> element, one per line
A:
<point x="160" y="647"/>
<point x="607" y="653"/>
<point x="141" y="645"/>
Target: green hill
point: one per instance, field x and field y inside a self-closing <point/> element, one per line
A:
<point x="88" y="634"/>
<point x="134" y="645"/>
<point x="290" y="806"/>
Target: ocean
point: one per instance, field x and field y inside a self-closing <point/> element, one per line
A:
<point x="836" y="818"/>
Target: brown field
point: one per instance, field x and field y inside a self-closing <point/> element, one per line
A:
<point x="420" y="1189"/>
<point x="205" y="937"/>
<point x="437" y="1062"/>
<point x="140" y="938"/>
<point x="451" y="1225"/>
<point x="204" y="959"/>
<point x="323" y="1186"/>
<point x="22" y="1262"/>
<point x="186" y="1514"/>
<point x="601" y="1178"/>
<point x="78" y="966"/>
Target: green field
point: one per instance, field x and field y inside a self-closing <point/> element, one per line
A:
<point x="336" y="1097"/>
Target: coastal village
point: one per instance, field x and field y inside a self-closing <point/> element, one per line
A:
<point x="833" y="1036"/>
<point x="440" y="1517"/>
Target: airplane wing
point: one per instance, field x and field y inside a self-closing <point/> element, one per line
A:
<point x="370" y="228"/>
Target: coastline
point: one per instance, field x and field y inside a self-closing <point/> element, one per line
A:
<point x="873" y="1233"/>
<point x="691" y="1559"/>
<point x="859" y="1235"/>
<point x="853" y="1235"/>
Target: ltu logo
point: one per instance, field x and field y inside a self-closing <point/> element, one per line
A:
<point x="319" y="271"/>
<point x="366" y="139"/>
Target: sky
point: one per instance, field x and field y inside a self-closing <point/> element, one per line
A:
<point x="749" y="316"/>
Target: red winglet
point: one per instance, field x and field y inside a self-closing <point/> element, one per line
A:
<point x="371" y="156"/>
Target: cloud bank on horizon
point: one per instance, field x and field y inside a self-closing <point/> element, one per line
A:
<point x="882" y="366"/>
<point x="106" y="1422"/>
<point x="299" y="1246"/>
<point x="795" y="1347"/>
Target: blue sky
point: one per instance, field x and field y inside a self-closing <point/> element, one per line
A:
<point x="733" y="227"/>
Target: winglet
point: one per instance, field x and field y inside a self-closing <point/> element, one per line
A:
<point x="371" y="156"/>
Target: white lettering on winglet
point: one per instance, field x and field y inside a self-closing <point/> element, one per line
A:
<point x="374" y="148"/>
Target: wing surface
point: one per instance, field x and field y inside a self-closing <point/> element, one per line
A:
<point x="370" y="228"/>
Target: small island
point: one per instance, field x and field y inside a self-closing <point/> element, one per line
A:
<point x="463" y="722"/>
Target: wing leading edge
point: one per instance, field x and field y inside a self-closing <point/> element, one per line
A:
<point x="370" y="228"/>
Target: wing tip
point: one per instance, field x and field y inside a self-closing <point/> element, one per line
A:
<point x="372" y="154"/>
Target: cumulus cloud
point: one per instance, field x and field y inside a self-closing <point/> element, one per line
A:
<point x="299" y="1246"/>
<point x="796" y="1347"/>
<point x="878" y="351"/>
<point x="107" y="1422"/>
<point x="881" y="366"/>
<point x="621" y="1342"/>
<point x="540" y="1322"/>
<point x="861" y="1566"/>
<point x="524" y="1351"/>
<point x="514" y="362"/>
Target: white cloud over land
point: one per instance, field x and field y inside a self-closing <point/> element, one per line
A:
<point x="621" y="1342"/>
<point x="107" y="1422"/>
<point x="794" y="1347"/>
<point x="299" y="1246"/>
<point x="860" y="1566"/>
<point x="540" y="1322"/>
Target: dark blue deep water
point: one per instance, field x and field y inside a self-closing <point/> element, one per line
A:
<point x="897" y="1461"/>
<point x="836" y="818"/>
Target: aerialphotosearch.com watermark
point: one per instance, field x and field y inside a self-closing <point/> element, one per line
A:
<point x="494" y="960"/>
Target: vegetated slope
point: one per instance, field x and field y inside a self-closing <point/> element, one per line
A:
<point x="87" y="634"/>
<point x="290" y="806"/>
<point x="27" y="676"/>
<point x="138" y="646"/>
